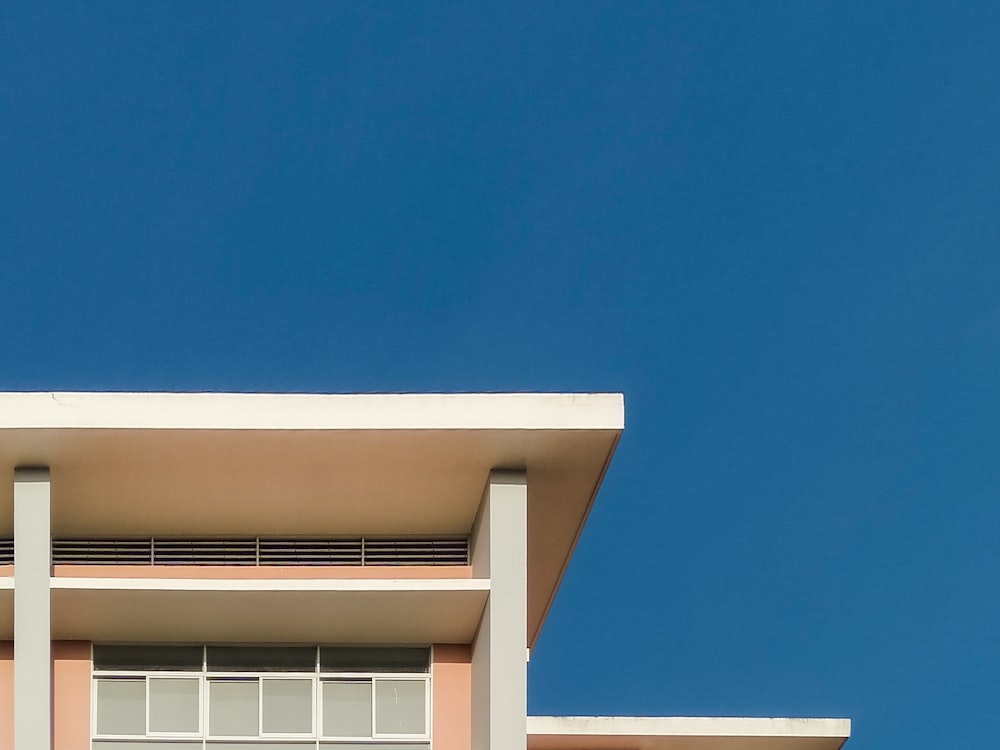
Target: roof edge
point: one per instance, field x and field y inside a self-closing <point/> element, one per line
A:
<point x="534" y="635"/>
<point x="300" y="411"/>
<point x="689" y="726"/>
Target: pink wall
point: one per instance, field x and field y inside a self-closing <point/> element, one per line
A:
<point x="263" y="572"/>
<point x="452" y="708"/>
<point x="71" y="695"/>
<point x="6" y="695"/>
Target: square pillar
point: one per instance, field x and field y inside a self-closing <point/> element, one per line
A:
<point x="32" y="626"/>
<point x="499" y="652"/>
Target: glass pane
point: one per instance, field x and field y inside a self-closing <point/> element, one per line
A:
<point x="173" y="704"/>
<point x="400" y="707"/>
<point x="373" y="659"/>
<point x="347" y="708"/>
<point x="233" y="708"/>
<point x="370" y="746"/>
<point x="261" y="658"/>
<point x="148" y="658"/>
<point x="287" y="706"/>
<point x="121" y="707"/>
<point x="149" y="745"/>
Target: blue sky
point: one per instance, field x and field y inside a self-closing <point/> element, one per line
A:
<point x="773" y="226"/>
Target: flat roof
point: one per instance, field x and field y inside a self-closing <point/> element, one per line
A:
<point x="684" y="733"/>
<point x="140" y="464"/>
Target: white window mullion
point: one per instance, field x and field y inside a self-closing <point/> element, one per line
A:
<point x="201" y="706"/>
<point x="260" y="706"/>
<point x="93" y="700"/>
<point x="204" y="700"/>
<point x="318" y="702"/>
<point x="428" y="701"/>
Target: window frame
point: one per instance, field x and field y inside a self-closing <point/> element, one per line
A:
<point x="314" y="738"/>
<point x="371" y="678"/>
<point x="259" y="677"/>
<point x="145" y="676"/>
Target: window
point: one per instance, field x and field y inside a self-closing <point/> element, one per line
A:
<point x="214" y="697"/>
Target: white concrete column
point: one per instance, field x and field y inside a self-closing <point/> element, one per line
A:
<point x="499" y="652"/>
<point x="32" y="638"/>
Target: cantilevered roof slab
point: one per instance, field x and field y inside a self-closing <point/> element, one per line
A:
<point x="684" y="733"/>
<point x="168" y="464"/>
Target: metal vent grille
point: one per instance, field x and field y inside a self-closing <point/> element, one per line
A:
<point x="357" y="551"/>
<point x="312" y="551"/>
<point x="204" y="551"/>
<point x="6" y="551"/>
<point x="102" y="551"/>
<point x="416" y="552"/>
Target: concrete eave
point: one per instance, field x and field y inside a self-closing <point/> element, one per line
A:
<point x="310" y="411"/>
<point x="217" y="464"/>
<point x="684" y="733"/>
<point x="266" y="611"/>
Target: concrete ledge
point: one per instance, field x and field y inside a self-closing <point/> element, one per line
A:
<point x="265" y="411"/>
<point x="684" y="733"/>
<point x="267" y="611"/>
<point x="220" y="585"/>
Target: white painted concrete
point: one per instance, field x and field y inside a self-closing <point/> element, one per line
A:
<point x="688" y="726"/>
<point x="261" y="411"/>
<point x="331" y="585"/>
<point x="481" y="682"/>
<point x="684" y="733"/>
<point x="266" y="616"/>
<point x="444" y="610"/>
<point x="32" y="641"/>
<point x="499" y="666"/>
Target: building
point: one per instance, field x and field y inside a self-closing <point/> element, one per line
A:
<point x="263" y="572"/>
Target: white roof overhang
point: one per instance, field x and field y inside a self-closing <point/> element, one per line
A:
<point x="684" y="733"/>
<point x="169" y="464"/>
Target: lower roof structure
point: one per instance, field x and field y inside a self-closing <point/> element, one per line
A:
<point x="684" y="733"/>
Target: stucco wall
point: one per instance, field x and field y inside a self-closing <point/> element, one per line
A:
<point x="452" y="707"/>
<point x="451" y="710"/>
<point x="6" y="695"/>
<point x="71" y="695"/>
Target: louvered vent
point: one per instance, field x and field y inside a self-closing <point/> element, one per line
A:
<point x="416" y="552"/>
<point x="6" y="551"/>
<point x="356" y="551"/>
<point x="102" y="551"/>
<point x="311" y="552"/>
<point x="204" y="552"/>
